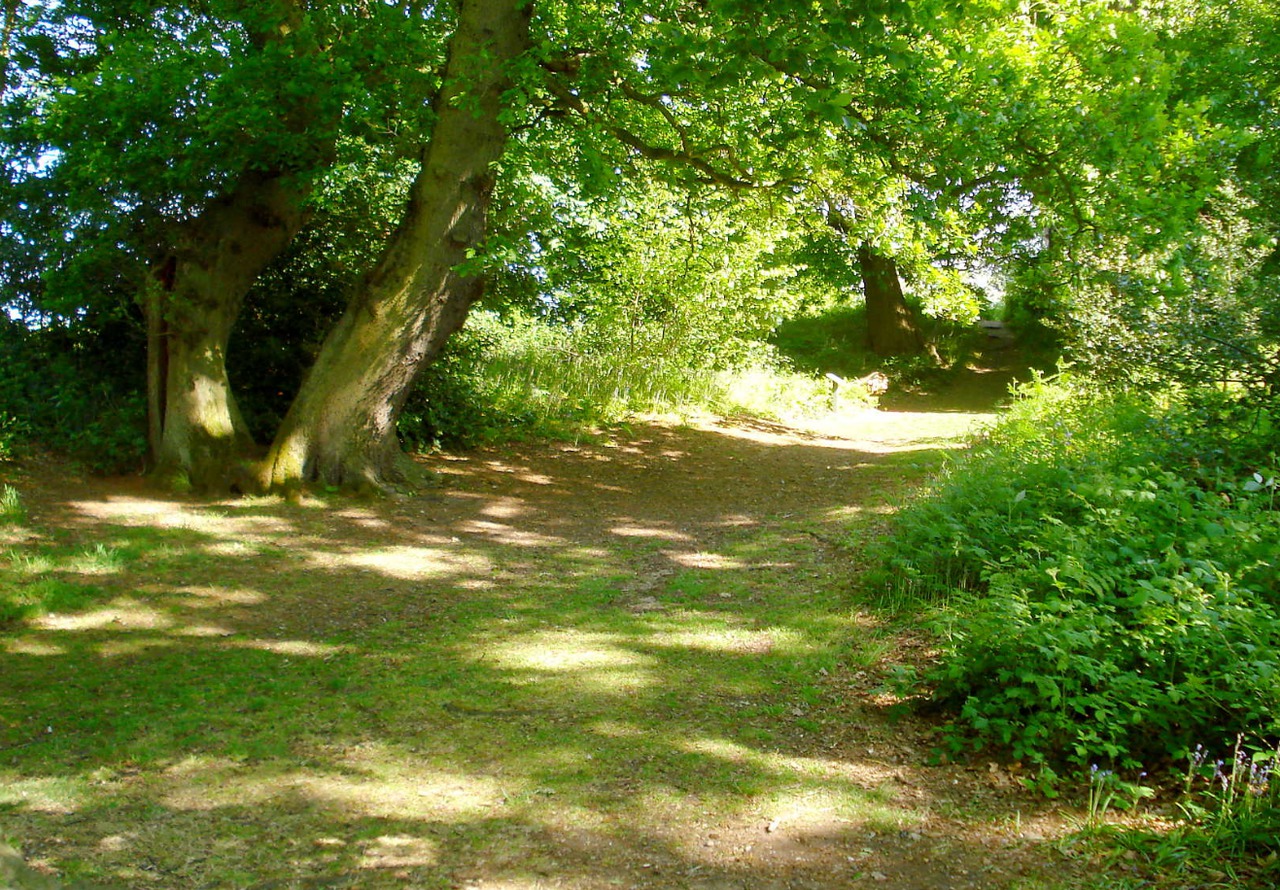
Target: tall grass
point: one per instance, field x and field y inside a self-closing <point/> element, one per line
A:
<point x="12" y="510"/>
<point x="555" y="379"/>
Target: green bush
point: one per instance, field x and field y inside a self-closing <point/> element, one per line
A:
<point x="73" y="393"/>
<point x="12" y="433"/>
<point x="1143" y="626"/>
<point x="1111" y="580"/>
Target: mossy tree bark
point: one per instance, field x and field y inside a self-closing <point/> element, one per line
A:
<point x="341" y="428"/>
<point x="891" y="326"/>
<point x="196" y="431"/>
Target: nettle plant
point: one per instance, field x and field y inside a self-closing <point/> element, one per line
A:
<point x="1119" y="598"/>
<point x="1146" y="624"/>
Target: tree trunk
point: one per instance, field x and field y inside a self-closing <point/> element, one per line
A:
<point x="891" y="327"/>
<point x="196" y="433"/>
<point x="341" y="428"/>
<point x="195" y="428"/>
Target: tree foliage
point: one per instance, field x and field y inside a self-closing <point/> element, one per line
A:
<point x="234" y="179"/>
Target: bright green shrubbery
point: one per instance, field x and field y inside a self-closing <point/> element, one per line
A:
<point x="1110" y="566"/>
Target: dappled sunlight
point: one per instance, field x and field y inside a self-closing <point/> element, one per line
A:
<point x="398" y="851"/>
<point x="203" y="630"/>
<point x="212" y="597"/>
<point x="773" y="438"/>
<point x="561" y="651"/>
<point x="290" y="647"/>
<point x="630" y="530"/>
<point x="505" y="508"/>
<point x="703" y="560"/>
<point x="408" y="563"/>
<point x="864" y="774"/>
<point x="134" y="511"/>
<point x="732" y="639"/>
<point x="846" y="513"/>
<point x="582" y="661"/>
<point x="122" y="614"/>
<point x="631" y="674"/>
<point x="376" y="781"/>
<point x="45" y="794"/>
<point x="508" y="534"/>
<point x="615" y="729"/>
<point x="523" y="474"/>
<point x="880" y="432"/>
<point x="363" y="518"/>
<point x="31" y="646"/>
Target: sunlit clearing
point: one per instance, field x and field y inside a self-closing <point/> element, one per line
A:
<point x="123" y="614"/>
<point x="880" y="432"/>
<point x="410" y="563"/>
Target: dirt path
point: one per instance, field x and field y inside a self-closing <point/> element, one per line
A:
<point x="636" y="662"/>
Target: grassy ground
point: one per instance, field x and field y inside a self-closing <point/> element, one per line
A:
<point x="641" y="661"/>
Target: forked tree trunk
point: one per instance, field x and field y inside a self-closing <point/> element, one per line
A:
<point x="196" y="431"/>
<point x="341" y="428"/>
<point x="891" y="327"/>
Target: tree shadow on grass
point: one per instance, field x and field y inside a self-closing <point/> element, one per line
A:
<point x="635" y="663"/>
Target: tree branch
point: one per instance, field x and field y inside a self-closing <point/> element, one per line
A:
<point x="685" y="156"/>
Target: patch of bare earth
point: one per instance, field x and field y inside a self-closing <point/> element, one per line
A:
<point x="837" y="790"/>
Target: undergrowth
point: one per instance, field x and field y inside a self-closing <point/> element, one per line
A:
<point x="1102" y="571"/>
<point x="515" y="377"/>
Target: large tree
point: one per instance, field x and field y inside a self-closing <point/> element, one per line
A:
<point x="177" y="148"/>
<point x="939" y="123"/>
<point x="341" y="427"/>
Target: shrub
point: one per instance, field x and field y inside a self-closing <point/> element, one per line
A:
<point x="1112" y="579"/>
<point x="1147" y="623"/>
<point x="73" y="394"/>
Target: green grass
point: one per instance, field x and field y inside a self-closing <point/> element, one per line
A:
<point x="522" y="378"/>
<point x="12" y="511"/>
<point x="268" y="694"/>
